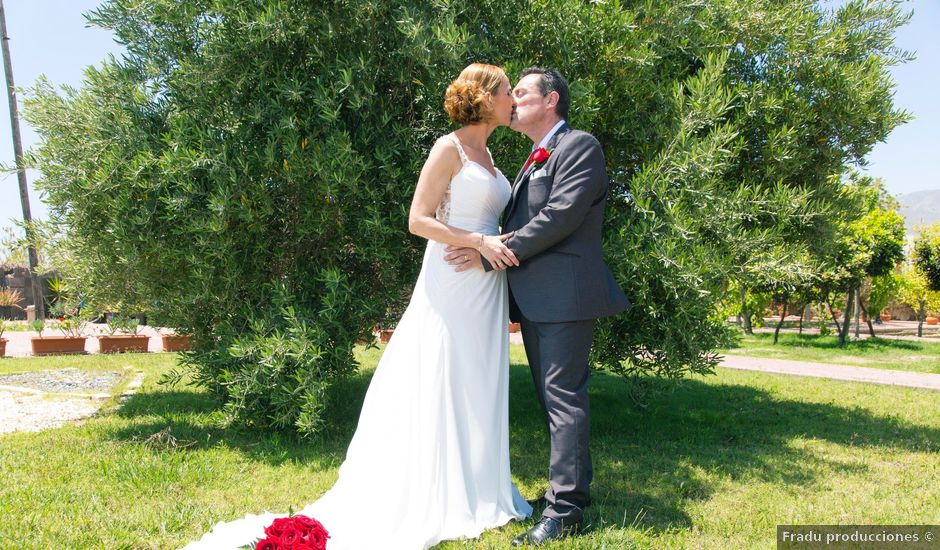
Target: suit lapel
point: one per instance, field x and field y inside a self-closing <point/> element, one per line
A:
<point x="523" y="176"/>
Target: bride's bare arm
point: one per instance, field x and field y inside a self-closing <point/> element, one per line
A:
<point x="442" y="164"/>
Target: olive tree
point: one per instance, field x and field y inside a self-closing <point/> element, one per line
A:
<point x="244" y="171"/>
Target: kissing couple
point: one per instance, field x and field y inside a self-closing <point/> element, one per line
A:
<point x="430" y="457"/>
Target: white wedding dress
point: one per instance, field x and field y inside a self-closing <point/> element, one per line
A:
<point x="430" y="457"/>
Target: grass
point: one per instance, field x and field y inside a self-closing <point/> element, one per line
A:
<point x="881" y="353"/>
<point x="711" y="462"/>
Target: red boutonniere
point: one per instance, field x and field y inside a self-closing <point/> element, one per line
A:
<point x="540" y="155"/>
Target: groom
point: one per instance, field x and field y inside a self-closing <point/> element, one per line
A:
<point x="561" y="287"/>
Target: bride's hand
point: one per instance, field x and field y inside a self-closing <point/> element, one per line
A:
<point x="462" y="258"/>
<point x="498" y="254"/>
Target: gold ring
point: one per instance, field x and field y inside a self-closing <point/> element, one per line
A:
<point x="466" y="258"/>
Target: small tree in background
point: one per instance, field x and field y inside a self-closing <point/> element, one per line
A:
<point x="881" y="290"/>
<point x="882" y="230"/>
<point x="870" y="243"/>
<point x="914" y="289"/>
<point x="927" y="255"/>
<point x="922" y="283"/>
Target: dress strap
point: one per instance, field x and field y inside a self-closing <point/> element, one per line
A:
<point x="463" y="156"/>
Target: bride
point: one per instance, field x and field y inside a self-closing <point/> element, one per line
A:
<point x="430" y="457"/>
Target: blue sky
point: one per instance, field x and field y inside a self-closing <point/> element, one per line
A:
<point x="910" y="159"/>
<point x="50" y="37"/>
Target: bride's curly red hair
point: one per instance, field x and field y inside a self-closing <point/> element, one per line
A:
<point x="465" y="100"/>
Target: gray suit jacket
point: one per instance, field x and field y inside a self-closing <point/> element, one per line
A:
<point x="556" y="214"/>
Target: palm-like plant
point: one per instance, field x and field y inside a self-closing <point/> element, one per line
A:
<point x="8" y="298"/>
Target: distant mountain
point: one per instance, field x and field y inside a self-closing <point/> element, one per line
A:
<point x="920" y="208"/>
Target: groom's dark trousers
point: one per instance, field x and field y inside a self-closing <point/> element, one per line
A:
<point x="562" y="286"/>
<point x="558" y="360"/>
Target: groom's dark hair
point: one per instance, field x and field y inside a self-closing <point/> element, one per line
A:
<point x="552" y="81"/>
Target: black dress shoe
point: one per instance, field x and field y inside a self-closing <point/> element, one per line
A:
<point x="545" y="530"/>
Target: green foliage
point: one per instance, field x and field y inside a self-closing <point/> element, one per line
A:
<point x="14" y="245"/>
<point x="883" y="289"/>
<point x="245" y="159"/>
<point x="244" y="173"/>
<point x="915" y="289"/>
<point x="822" y="323"/>
<point x="927" y="255"/>
<point x="875" y="240"/>
<point x="883" y="232"/>
<point x="866" y="236"/>
<point x="72" y="326"/>
<point x="757" y="303"/>
<point x="123" y="324"/>
<point x="815" y="93"/>
<point x="674" y="324"/>
<point x="12" y="251"/>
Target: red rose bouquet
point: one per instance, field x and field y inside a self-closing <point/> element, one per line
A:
<point x="294" y="533"/>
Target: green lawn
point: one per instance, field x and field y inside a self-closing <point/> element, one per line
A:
<point x="711" y="462"/>
<point x="881" y="353"/>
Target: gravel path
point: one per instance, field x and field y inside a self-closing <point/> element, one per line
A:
<point x="33" y="401"/>
<point x="31" y="413"/>
<point x="62" y="380"/>
<point x="835" y="372"/>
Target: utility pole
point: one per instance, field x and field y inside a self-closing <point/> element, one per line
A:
<point x="20" y="169"/>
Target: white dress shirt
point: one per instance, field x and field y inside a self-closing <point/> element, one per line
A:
<point x="549" y="135"/>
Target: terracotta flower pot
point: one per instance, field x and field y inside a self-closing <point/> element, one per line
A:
<point x="931" y="320"/>
<point x="175" y="342"/>
<point x="885" y="317"/>
<point x="3" y="346"/>
<point x="514" y="327"/>
<point x="134" y="343"/>
<point x="56" y="345"/>
<point x="385" y="335"/>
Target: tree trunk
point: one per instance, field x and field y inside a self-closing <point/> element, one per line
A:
<point x="858" y="302"/>
<point x="871" y="327"/>
<point x="783" y="314"/>
<point x="849" y="302"/>
<point x="35" y="284"/>
<point x="745" y="314"/>
<point x="834" y="319"/>
<point x="920" y="318"/>
<point x="802" y="314"/>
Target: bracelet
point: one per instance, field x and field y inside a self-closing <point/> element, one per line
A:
<point x="481" y="242"/>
